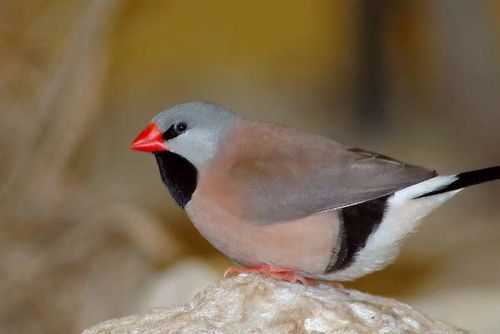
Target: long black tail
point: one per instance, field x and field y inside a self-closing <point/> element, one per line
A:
<point x="468" y="179"/>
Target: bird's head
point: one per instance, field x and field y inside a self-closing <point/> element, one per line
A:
<point x="191" y="130"/>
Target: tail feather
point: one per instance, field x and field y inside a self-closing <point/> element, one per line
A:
<point x="467" y="179"/>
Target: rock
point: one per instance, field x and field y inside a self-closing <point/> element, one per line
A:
<point x="257" y="304"/>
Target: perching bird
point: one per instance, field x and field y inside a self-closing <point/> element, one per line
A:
<point x="288" y="203"/>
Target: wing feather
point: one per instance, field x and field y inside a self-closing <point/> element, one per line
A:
<point x="269" y="173"/>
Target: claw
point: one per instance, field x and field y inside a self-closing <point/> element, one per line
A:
<point x="280" y="273"/>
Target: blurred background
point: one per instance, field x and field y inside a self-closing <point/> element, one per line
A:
<point x="87" y="230"/>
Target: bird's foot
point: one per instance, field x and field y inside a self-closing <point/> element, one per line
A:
<point x="280" y="273"/>
<point x="334" y="284"/>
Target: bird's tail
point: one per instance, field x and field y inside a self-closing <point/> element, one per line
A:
<point x="466" y="179"/>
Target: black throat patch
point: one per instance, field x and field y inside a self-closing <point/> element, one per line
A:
<point x="358" y="222"/>
<point x="179" y="175"/>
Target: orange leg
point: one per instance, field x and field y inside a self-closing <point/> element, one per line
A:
<point x="281" y="273"/>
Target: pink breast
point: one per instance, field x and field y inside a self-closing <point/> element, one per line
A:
<point x="305" y="244"/>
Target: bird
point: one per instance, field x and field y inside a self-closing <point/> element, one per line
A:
<point x="288" y="203"/>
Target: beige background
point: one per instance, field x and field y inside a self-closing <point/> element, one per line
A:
<point x="87" y="230"/>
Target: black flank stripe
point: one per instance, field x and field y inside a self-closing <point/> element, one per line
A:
<point x="358" y="222"/>
<point x="178" y="174"/>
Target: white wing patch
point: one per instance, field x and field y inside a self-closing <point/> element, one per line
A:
<point x="422" y="188"/>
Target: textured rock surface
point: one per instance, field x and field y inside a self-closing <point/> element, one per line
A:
<point x="256" y="304"/>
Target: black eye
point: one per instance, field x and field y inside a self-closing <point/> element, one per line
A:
<point x="174" y="130"/>
<point x="181" y="127"/>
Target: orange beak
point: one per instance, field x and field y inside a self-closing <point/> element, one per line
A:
<point x="149" y="140"/>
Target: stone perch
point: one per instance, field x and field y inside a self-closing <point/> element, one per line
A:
<point x="257" y="304"/>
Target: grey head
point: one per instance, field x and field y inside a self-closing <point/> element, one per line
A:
<point x="193" y="129"/>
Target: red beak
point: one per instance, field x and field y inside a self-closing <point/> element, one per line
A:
<point x="149" y="140"/>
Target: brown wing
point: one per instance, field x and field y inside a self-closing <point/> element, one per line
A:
<point x="269" y="173"/>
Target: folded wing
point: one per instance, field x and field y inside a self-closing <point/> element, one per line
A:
<point x="269" y="174"/>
